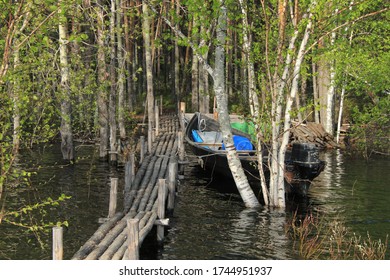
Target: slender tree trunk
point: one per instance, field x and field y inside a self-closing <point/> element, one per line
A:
<point x="240" y="179"/>
<point x="112" y="98"/>
<point x="204" y="96"/>
<point x="287" y="114"/>
<point x="67" y="147"/>
<point x="128" y="24"/>
<point x="16" y="104"/>
<point x="253" y="98"/>
<point x="331" y="93"/>
<point x="177" y="58"/>
<point x="315" y="94"/>
<point x="195" y="74"/>
<point x="149" y="67"/>
<point x="121" y="71"/>
<point x="247" y="46"/>
<point x="102" y="98"/>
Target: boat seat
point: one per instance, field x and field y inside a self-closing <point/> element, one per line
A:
<point x="209" y="139"/>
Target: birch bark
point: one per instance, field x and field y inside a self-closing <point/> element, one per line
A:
<point x="67" y="147"/>
<point x="240" y="179"/>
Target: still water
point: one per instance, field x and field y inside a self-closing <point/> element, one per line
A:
<point x="209" y="222"/>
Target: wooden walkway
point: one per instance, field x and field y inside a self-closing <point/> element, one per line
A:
<point x="144" y="201"/>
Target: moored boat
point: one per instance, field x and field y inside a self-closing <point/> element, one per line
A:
<point x="302" y="162"/>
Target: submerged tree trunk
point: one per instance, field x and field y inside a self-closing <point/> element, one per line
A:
<point x="239" y="176"/>
<point x="67" y="147"/>
<point x="102" y="97"/>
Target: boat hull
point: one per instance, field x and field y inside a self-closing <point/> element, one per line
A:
<point x="302" y="163"/>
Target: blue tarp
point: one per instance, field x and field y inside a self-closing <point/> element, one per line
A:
<point x="241" y="143"/>
<point x="196" y="136"/>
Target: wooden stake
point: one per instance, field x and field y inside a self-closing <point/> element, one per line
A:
<point x="58" y="249"/>
<point x="142" y="149"/>
<point x="161" y="105"/>
<point x="161" y="208"/>
<point x="133" y="239"/>
<point x="156" y="110"/>
<point x="113" y="197"/>
<point x="150" y="141"/>
<point x="172" y="175"/>
<point x="181" y="151"/>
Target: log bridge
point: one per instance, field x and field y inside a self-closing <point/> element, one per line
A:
<point x="148" y="197"/>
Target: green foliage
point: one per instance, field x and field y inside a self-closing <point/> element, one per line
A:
<point x="33" y="217"/>
<point x="370" y="132"/>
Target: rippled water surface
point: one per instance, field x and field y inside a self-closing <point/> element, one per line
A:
<point x="210" y="221"/>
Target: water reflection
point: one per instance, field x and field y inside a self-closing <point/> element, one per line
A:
<point x="210" y="220"/>
<point x="212" y="224"/>
<point x="349" y="190"/>
<point x="87" y="182"/>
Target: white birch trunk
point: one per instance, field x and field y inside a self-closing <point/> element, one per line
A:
<point x="253" y="99"/>
<point x="277" y="107"/>
<point x="315" y="94"/>
<point x="239" y="176"/>
<point x="67" y="147"/>
<point x="339" y="121"/>
<point x="149" y="67"/>
<point x="287" y="114"/>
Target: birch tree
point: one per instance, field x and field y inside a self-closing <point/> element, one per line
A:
<point x="67" y="147"/>
<point x="149" y="69"/>
<point x="239" y="176"/>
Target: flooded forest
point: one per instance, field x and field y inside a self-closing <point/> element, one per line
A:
<point x="82" y="80"/>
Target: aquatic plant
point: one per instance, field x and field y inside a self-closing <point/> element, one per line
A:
<point x="315" y="238"/>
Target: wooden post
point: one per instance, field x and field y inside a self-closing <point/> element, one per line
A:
<point x="156" y="110"/>
<point x="182" y="115"/>
<point x="142" y="149"/>
<point x="133" y="239"/>
<point x="113" y="195"/>
<point x="58" y="249"/>
<point x="161" y="105"/>
<point x="172" y="175"/>
<point x="161" y="208"/>
<point x="181" y="151"/>
<point x="150" y="139"/>
<point x="132" y="160"/>
<point x="129" y="177"/>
